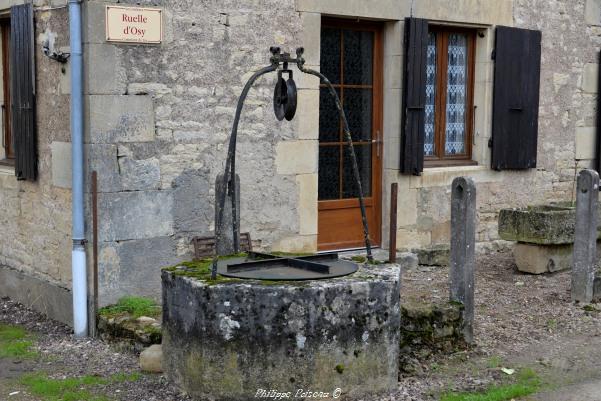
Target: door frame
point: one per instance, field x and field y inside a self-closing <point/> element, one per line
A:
<point x="377" y="151"/>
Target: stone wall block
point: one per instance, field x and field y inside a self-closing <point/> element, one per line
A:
<point x="61" y="164"/>
<point x="296" y="157"/>
<point x="139" y="174"/>
<point x="104" y="74"/>
<point x="135" y="266"/>
<point x="94" y="22"/>
<point x="590" y="78"/>
<point x="102" y="158"/>
<point x="120" y="119"/>
<point x="135" y="215"/>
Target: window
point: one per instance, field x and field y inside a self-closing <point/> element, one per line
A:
<point x="438" y="85"/>
<point x="449" y="96"/>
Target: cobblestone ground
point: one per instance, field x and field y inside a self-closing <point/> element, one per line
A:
<point x="521" y="321"/>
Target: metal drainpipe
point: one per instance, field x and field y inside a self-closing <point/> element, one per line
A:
<point x="78" y="256"/>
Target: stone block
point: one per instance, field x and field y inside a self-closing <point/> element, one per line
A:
<point x="307" y="205"/>
<point x="193" y="201"/>
<point x="544" y="224"/>
<point x="296" y="244"/>
<point x="120" y="119"/>
<point x="384" y="9"/>
<point x="61" y="164"/>
<point x="499" y="12"/>
<point x="104" y="74"/>
<point x="296" y="157"/>
<point x="311" y="36"/>
<point x="433" y="256"/>
<point x="318" y="335"/>
<point x="586" y="142"/>
<point x="539" y="259"/>
<point x="407" y="260"/>
<point x="393" y="72"/>
<point x="307" y="114"/>
<point x="151" y="359"/>
<point x="392" y="31"/>
<point x="94" y="22"/>
<point x="408" y="238"/>
<point x="135" y="215"/>
<point x="407" y="207"/>
<point x="102" y="158"/>
<point x="590" y="78"/>
<point x="133" y="267"/>
<point x="592" y="12"/>
<point x="139" y="175"/>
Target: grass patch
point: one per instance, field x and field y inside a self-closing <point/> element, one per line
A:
<point x="527" y="384"/>
<point x="72" y="389"/>
<point x="494" y="362"/>
<point x="135" y="306"/>
<point x="15" y="342"/>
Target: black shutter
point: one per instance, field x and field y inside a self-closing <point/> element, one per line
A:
<point x="516" y="97"/>
<point x="414" y="96"/>
<point x="22" y="78"/>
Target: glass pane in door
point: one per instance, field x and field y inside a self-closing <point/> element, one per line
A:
<point x="347" y="58"/>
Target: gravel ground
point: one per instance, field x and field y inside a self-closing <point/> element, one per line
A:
<point x="521" y="320"/>
<point x="64" y="356"/>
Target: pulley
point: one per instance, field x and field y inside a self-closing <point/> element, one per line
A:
<point x="284" y="96"/>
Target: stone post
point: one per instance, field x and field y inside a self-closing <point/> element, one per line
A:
<point x="225" y="246"/>
<point x="585" y="236"/>
<point x="463" y="243"/>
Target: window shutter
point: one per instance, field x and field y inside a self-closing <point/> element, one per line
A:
<point x="23" y="91"/>
<point x="414" y="96"/>
<point x="516" y="97"/>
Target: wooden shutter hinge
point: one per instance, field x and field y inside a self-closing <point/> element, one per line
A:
<point x="490" y="142"/>
<point x="493" y="54"/>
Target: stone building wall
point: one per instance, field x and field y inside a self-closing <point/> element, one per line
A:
<point x="158" y="118"/>
<point x="566" y="136"/>
<point x="35" y="217"/>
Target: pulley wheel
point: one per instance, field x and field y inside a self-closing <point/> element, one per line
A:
<point x="280" y="99"/>
<point x="290" y="109"/>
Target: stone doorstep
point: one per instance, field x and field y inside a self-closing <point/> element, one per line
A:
<point x="135" y="333"/>
<point x="437" y="255"/>
<point x="539" y="259"/>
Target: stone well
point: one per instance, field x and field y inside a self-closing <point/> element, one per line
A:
<point x="234" y="339"/>
<point x="544" y="235"/>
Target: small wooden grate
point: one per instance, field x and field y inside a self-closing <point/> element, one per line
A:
<point x="205" y="246"/>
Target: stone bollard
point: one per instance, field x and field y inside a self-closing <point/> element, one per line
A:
<point x="585" y="236"/>
<point x="463" y="244"/>
<point x="225" y="244"/>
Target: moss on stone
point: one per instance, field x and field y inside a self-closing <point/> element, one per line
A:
<point x="133" y="306"/>
<point x="340" y="368"/>
<point x="201" y="270"/>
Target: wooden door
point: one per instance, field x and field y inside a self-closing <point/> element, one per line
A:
<point x="351" y="58"/>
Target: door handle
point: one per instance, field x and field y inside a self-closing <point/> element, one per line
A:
<point x="378" y="142"/>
